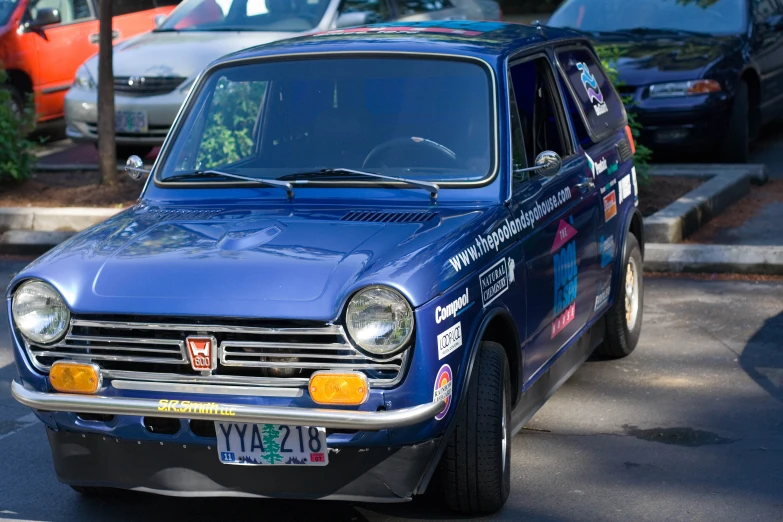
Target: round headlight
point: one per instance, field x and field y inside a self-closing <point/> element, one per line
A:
<point x="39" y="312"/>
<point x="379" y="320"/>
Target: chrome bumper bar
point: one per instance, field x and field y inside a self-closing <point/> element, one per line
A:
<point x="226" y="412"/>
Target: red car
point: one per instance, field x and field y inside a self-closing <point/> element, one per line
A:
<point x="43" y="42"/>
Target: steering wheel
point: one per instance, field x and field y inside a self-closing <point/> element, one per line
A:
<point x="408" y="142"/>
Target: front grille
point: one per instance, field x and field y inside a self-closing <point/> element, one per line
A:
<point x="388" y="217"/>
<point x="279" y="355"/>
<point x="146" y="86"/>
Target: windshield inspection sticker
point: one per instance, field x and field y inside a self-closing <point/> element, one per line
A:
<point x="442" y="391"/>
<point x="449" y="340"/>
<point x="454" y="308"/>
<point x="566" y="283"/>
<point x="496" y="279"/>
<point x="610" y="206"/>
<point x="592" y="90"/>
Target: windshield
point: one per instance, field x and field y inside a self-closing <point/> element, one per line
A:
<point x="246" y="15"/>
<point x="705" y="16"/>
<point x="425" y="119"/>
<point x="6" y="8"/>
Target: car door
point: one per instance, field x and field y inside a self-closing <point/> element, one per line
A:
<point x="61" y="48"/>
<point x="558" y="215"/>
<point x="768" y="44"/>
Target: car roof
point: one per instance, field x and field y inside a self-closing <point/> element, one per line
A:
<point x="485" y="40"/>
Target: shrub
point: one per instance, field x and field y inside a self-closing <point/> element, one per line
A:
<point x="16" y="151"/>
<point x="609" y="57"/>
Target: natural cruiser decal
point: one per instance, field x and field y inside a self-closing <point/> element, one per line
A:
<point x="509" y="229"/>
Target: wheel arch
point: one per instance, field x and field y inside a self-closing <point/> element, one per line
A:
<point x="21" y="80"/>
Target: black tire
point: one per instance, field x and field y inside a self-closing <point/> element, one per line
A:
<point x="92" y="491"/>
<point x="474" y="474"/>
<point x="736" y="144"/>
<point x="17" y="100"/>
<point x="620" y="340"/>
<point x="126" y="151"/>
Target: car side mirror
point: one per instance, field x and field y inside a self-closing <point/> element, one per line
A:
<point x="135" y="168"/>
<point x="549" y="163"/>
<point x="158" y="21"/>
<point x="351" y="20"/>
<point x="45" y="16"/>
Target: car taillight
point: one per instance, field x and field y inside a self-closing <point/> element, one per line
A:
<point x="629" y="134"/>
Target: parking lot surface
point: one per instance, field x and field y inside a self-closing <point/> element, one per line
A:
<point x="686" y="428"/>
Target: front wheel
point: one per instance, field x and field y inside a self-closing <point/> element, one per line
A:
<point x="624" y="318"/>
<point x="474" y="473"/>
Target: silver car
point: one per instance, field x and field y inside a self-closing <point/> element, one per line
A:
<point x="154" y="72"/>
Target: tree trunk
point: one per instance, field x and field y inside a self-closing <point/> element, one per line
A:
<point x="106" y="138"/>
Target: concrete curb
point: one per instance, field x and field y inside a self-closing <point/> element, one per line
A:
<point x="713" y="259"/>
<point x="52" y="219"/>
<point x="726" y="185"/>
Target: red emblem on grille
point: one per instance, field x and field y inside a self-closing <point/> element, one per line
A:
<point x="202" y="353"/>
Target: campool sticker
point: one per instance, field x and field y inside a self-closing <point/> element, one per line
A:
<point x="443" y="385"/>
<point x="454" y="308"/>
<point x="610" y="206"/>
<point x="566" y="282"/>
<point x="449" y="340"/>
<point x="496" y="280"/>
<point x="592" y="90"/>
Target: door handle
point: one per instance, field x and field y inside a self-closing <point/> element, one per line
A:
<point x="95" y="38"/>
<point x="586" y="185"/>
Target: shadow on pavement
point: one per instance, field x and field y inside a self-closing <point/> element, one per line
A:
<point x="762" y="358"/>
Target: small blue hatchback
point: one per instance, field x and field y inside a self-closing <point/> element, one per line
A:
<point x="361" y="263"/>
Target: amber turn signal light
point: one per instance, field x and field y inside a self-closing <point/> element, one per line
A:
<point x="74" y="377"/>
<point x="345" y="389"/>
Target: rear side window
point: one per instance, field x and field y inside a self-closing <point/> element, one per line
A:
<point x="599" y="103"/>
<point x="123" y="7"/>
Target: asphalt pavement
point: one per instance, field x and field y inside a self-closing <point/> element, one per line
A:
<point x="689" y="427"/>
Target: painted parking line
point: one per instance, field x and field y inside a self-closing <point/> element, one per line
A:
<point x="8" y="428"/>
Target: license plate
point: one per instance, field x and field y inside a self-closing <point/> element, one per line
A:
<point x="271" y="445"/>
<point x="131" y="121"/>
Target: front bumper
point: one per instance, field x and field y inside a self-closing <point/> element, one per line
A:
<point x="357" y="474"/>
<point x="213" y="411"/>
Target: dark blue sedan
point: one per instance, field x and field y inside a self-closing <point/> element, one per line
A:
<point x="362" y="261"/>
<point x="704" y="75"/>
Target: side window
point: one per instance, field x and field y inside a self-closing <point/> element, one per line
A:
<point x="537" y="104"/>
<point x="414" y="7"/>
<point x="518" y="156"/>
<point x="227" y="134"/>
<point x="602" y="108"/>
<point x="123" y="7"/>
<point x="376" y="10"/>
<point x="577" y="122"/>
<point x="70" y="10"/>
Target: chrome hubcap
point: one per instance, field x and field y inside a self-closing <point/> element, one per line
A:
<point x="503" y="440"/>
<point x="631" y="294"/>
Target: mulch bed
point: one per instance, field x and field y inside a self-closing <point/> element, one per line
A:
<point x="661" y="191"/>
<point x="70" y="189"/>
<point x="741" y="211"/>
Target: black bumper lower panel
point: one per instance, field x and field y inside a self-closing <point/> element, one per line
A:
<point x="373" y="474"/>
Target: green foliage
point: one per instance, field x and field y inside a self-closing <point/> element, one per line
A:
<point x="609" y="58"/>
<point x="228" y="133"/>
<point x="16" y="151"/>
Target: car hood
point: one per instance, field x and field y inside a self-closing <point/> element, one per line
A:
<point x="254" y="262"/>
<point x="647" y="60"/>
<point x="182" y="54"/>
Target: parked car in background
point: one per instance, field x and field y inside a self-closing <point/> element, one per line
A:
<point x="154" y="72"/>
<point x="363" y="260"/>
<point x="702" y="75"/>
<point x="43" y="42"/>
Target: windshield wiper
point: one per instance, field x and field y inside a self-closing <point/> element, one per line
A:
<point x="432" y="188"/>
<point x="289" y="189"/>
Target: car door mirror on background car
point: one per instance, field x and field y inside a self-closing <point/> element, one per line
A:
<point x="45" y="16"/>
<point x="159" y="20"/>
<point x="351" y="19"/>
<point x="548" y="163"/>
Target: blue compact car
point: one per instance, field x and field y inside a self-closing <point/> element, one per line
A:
<point x="361" y="263"/>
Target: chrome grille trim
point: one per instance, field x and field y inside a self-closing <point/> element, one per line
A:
<point x="234" y="354"/>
